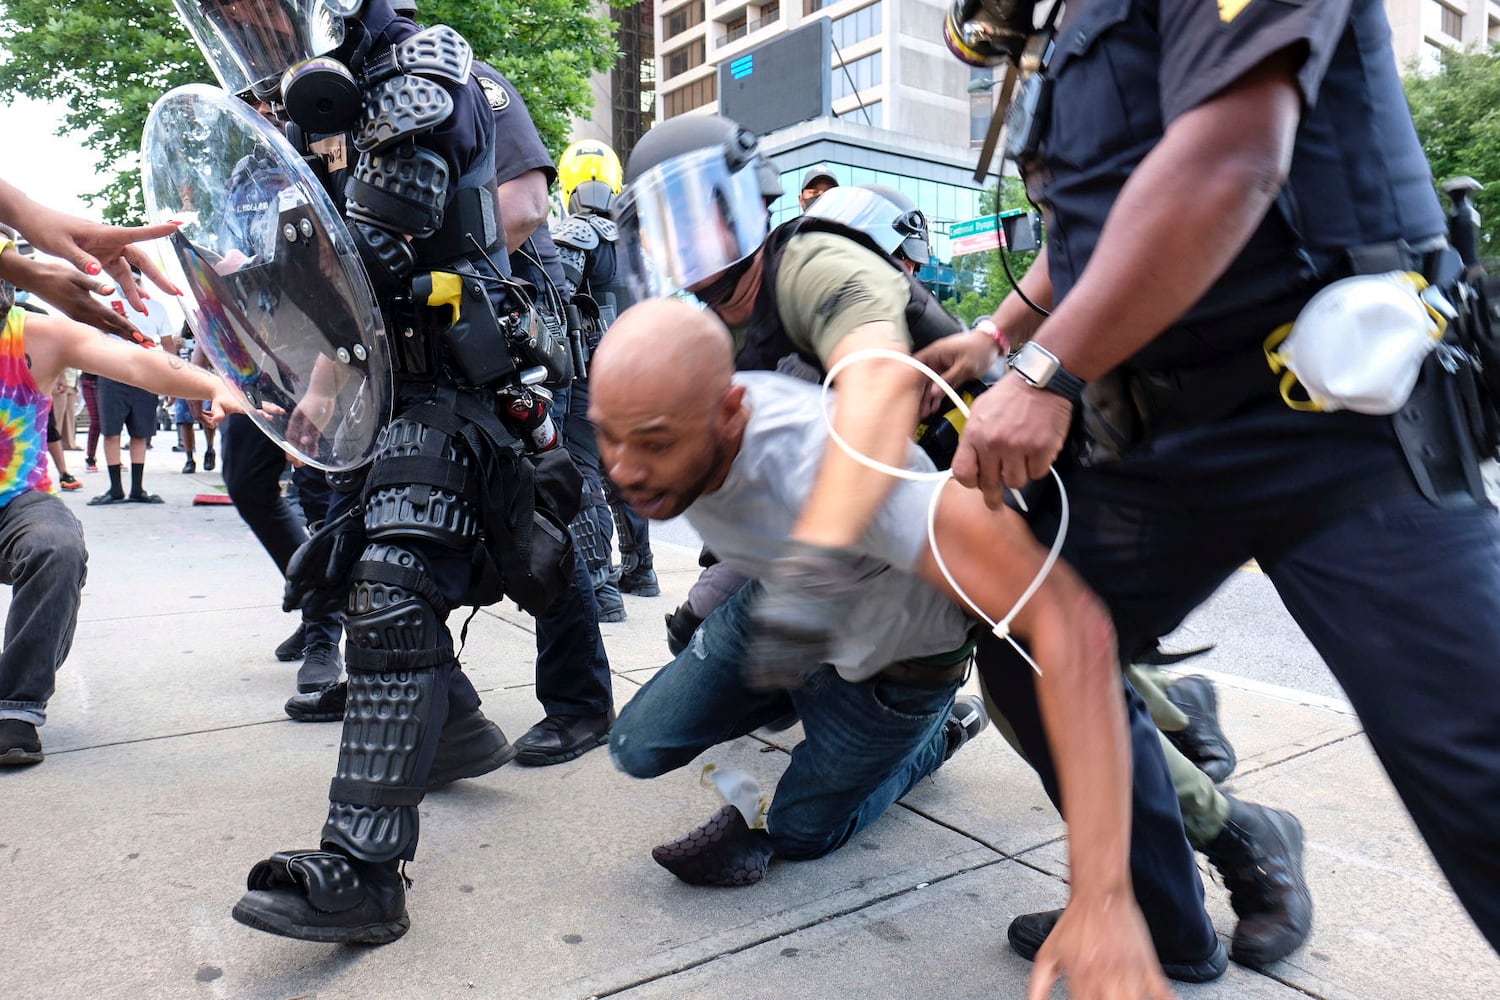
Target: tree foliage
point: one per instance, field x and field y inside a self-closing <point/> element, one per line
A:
<point x="981" y="277"/>
<point x="109" y="60"/>
<point x="1457" y="112"/>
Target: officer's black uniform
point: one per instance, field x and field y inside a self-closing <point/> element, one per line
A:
<point x="572" y="668"/>
<point x="1390" y="565"/>
<point x="448" y="485"/>
<point x="590" y="263"/>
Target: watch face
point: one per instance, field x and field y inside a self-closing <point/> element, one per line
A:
<point x="1035" y="364"/>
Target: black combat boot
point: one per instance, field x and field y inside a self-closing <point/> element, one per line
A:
<point x="1259" y="855"/>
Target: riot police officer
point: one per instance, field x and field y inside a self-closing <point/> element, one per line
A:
<point x="434" y="522"/>
<point x="1293" y="164"/>
<point x="590" y="176"/>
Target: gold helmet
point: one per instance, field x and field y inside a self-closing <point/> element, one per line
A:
<point x="590" y="175"/>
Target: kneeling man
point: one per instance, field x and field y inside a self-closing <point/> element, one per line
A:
<point x="681" y="433"/>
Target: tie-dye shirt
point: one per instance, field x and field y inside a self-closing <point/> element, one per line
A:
<point x="23" y="416"/>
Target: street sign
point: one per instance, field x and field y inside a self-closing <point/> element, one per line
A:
<point x="983" y="224"/>
<point x="978" y="243"/>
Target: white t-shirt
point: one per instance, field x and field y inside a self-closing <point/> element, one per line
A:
<point x="154" y="322"/>
<point x="747" y="521"/>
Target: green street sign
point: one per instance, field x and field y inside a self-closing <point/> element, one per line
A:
<point x="983" y="224"/>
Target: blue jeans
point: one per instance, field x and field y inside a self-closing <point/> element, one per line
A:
<point x="865" y="746"/>
<point x="42" y="557"/>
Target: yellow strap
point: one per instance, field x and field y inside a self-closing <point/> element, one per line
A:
<point x="6" y="243"/>
<point x="1288" y="383"/>
<point x="1274" y="341"/>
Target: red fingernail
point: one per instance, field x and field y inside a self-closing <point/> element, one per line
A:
<point x="93" y="268"/>
<point x="178" y="222"/>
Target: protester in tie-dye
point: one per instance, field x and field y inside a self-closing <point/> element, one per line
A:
<point x="42" y="554"/>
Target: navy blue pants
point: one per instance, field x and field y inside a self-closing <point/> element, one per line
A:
<point x="1400" y="595"/>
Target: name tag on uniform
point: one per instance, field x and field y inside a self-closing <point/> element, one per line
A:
<point x="334" y="151"/>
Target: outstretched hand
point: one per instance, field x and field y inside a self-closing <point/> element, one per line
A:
<point x="1102" y="948"/>
<point x="95" y="248"/>
<point x="72" y="292"/>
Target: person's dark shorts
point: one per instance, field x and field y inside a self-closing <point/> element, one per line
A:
<point x="124" y="407"/>
<point x="52" y="434"/>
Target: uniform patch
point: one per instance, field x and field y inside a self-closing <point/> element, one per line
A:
<point x="498" y="96"/>
<point x="849" y="294"/>
<point x="1230" y="9"/>
<point x="333" y="150"/>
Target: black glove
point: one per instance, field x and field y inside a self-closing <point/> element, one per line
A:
<point x="317" y="575"/>
<point x="805" y="599"/>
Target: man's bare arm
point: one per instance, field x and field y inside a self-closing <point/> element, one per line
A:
<point x="876" y="414"/>
<point x="1102" y="944"/>
<point x="523" y="207"/>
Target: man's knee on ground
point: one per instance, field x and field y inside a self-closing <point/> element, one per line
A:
<point x="798" y="835"/>
<point x="633" y="752"/>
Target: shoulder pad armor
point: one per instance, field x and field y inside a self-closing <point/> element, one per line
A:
<point x="608" y="231"/>
<point x="400" y="107"/>
<point x="576" y="232"/>
<point x="437" y="52"/>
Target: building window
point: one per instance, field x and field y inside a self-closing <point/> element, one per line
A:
<point x="864" y="74"/>
<point x="1452" y="22"/>
<point x="871" y="113"/>
<point x="681" y="20"/>
<point x="690" y="96"/>
<point x="684" y="59"/>
<point x="810" y="7"/>
<point x="851" y="29"/>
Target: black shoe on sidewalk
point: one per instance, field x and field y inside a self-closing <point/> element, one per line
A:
<point x="209" y="458"/>
<point x="638" y="577"/>
<point x="189" y="467"/>
<point x="19" y="743"/>
<point x="469" y="746"/>
<point x="611" y="604"/>
<point x="967" y="718"/>
<point x="325" y="896"/>
<point x="1028" y="932"/>
<point x="1203" y="741"/>
<point x="558" y="739"/>
<point x="723" y="851"/>
<point x="1259" y="854"/>
<point x="293" y="646"/>
<point x="321" y="665"/>
<point x="326" y="705"/>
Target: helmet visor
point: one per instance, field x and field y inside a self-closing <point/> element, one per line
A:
<point x="250" y="43"/>
<point x="688" y="219"/>
<point x="876" y="216"/>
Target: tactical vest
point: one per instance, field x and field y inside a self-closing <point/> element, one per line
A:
<point x="766" y="340"/>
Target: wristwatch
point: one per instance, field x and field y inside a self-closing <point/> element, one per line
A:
<point x="1040" y="369"/>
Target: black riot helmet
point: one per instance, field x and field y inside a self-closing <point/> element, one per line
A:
<point x="694" y="206"/>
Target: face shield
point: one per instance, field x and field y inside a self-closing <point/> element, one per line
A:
<point x="877" y="217"/>
<point x="688" y="219"/>
<point x="250" y="43"/>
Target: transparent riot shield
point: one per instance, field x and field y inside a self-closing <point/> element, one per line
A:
<point x="280" y="299"/>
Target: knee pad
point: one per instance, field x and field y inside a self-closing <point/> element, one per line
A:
<point x="421" y="486"/>
<point x="394" y="619"/>
<point x="592" y="543"/>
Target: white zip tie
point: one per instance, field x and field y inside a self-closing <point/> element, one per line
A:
<point x="1002" y="627"/>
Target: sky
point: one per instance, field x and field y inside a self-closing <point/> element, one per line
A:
<point x="54" y="170"/>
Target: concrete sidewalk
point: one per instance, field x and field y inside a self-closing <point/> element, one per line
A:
<point x="170" y="770"/>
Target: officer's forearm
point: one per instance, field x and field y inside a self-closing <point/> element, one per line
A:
<point x="876" y="415"/>
<point x="1180" y="221"/>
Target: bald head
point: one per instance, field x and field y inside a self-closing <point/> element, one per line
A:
<point x="666" y="350"/>
<point x="662" y="397"/>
